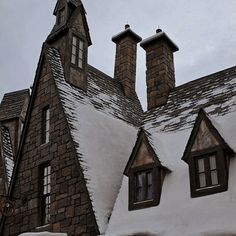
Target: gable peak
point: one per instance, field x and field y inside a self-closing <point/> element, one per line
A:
<point x="204" y="136"/>
<point x="63" y="3"/>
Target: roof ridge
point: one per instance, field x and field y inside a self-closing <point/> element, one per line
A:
<point x="17" y="92"/>
<point x="93" y="69"/>
<point x="218" y="73"/>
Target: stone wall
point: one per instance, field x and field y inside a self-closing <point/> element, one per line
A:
<point x="125" y="65"/>
<point x="71" y="210"/>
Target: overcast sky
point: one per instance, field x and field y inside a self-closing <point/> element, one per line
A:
<point x="204" y="30"/>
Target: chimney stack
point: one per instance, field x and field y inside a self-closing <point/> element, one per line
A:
<point x="160" y="74"/>
<point x="125" y="62"/>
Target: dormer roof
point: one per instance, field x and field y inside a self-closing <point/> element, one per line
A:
<point x="204" y="135"/>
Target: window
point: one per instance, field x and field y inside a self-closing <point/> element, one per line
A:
<point x="61" y="16"/>
<point x="77" y="53"/>
<point x="207" y="173"/>
<point x="144" y="186"/>
<point x="45" y="125"/>
<point x="45" y="190"/>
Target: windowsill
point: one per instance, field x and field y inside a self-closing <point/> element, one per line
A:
<point x="44" y="144"/>
<point x="43" y="228"/>
<point x="136" y="203"/>
<point x="210" y="187"/>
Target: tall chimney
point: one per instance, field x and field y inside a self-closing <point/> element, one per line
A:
<point x="160" y="74"/>
<point x="125" y="62"/>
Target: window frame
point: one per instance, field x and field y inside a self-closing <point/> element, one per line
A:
<point x="222" y="166"/>
<point x="44" y="196"/>
<point x="156" y="183"/>
<point x="79" y="55"/>
<point x="45" y="133"/>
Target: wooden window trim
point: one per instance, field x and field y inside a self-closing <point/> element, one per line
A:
<point x="222" y="165"/>
<point x="42" y="196"/>
<point x="156" y="182"/>
<point x="78" y="51"/>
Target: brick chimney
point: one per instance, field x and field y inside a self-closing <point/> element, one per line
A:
<point x="125" y="62"/>
<point x="160" y="74"/>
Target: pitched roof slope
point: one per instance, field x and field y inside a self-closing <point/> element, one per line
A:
<point x="103" y="126"/>
<point x="169" y="128"/>
<point x="12" y="104"/>
<point x="215" y="92"/>
<point x="7" y="152"/>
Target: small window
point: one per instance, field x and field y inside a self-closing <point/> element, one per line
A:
<point x="61" y="16"/>
<point x="45" y="190"/>
<point x="144" y="186"/>
<point x="77" y="53"/>
<point x="208" y="172"/>
<point x="145" y="183"/>
<point x="45" y="125"/>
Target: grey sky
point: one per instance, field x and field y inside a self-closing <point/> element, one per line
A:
<point x="203" y="30"/>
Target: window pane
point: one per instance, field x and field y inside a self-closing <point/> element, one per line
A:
<point x="212" y="162"/>
<point x="73" y="50"/>
<point x="214" y="177"/>
<point x="202" y="180"/>
<point x="81" y="45"/>
<point x="74" y="41"/>
<point x="47" y="137"/>
<point x="73" y="59"/>
<point x="80" y="54"/>
<point x="201" y="166"/>
<point x="139" y="187"/>
<point x="149" y="186"/>
<point x="80" y="63"/>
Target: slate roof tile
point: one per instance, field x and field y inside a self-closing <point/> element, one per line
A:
<point x="12" y="104"/>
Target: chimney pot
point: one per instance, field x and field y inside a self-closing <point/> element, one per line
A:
<point x="127" y="26"/>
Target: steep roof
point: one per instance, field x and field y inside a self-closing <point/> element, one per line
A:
<point x="12" y="104"/>
<point x="169" y="128"/>
<point x="103" y="125"/>
<point x="61" y="29"/>
<point x="7" y="152"/>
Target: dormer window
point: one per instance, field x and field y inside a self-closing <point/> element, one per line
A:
<point x="143" y="186"/>
<point x="207" y="155"/>
<point x="145" y="173"/>
<point x="206" y="171"/>
<point x="77" y="53"/>
<point x="61" y="16"/>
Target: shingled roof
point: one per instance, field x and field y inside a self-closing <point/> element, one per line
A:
<point x="12" y="104"/>
<point x="7" y="152"/>
<point x="103" y="124"/>
<point x="216" y="93"/>
<point x="169" y="128"/>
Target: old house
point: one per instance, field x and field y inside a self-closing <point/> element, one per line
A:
<point x="12" y="115"/>
<point x="91" y="162"/>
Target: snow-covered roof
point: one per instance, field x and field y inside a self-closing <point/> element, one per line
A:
<point x="103" y="127"/>
<point x="7" y="152"/>
<point x="43" y="234"/>
<point x="169" y="128"/>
